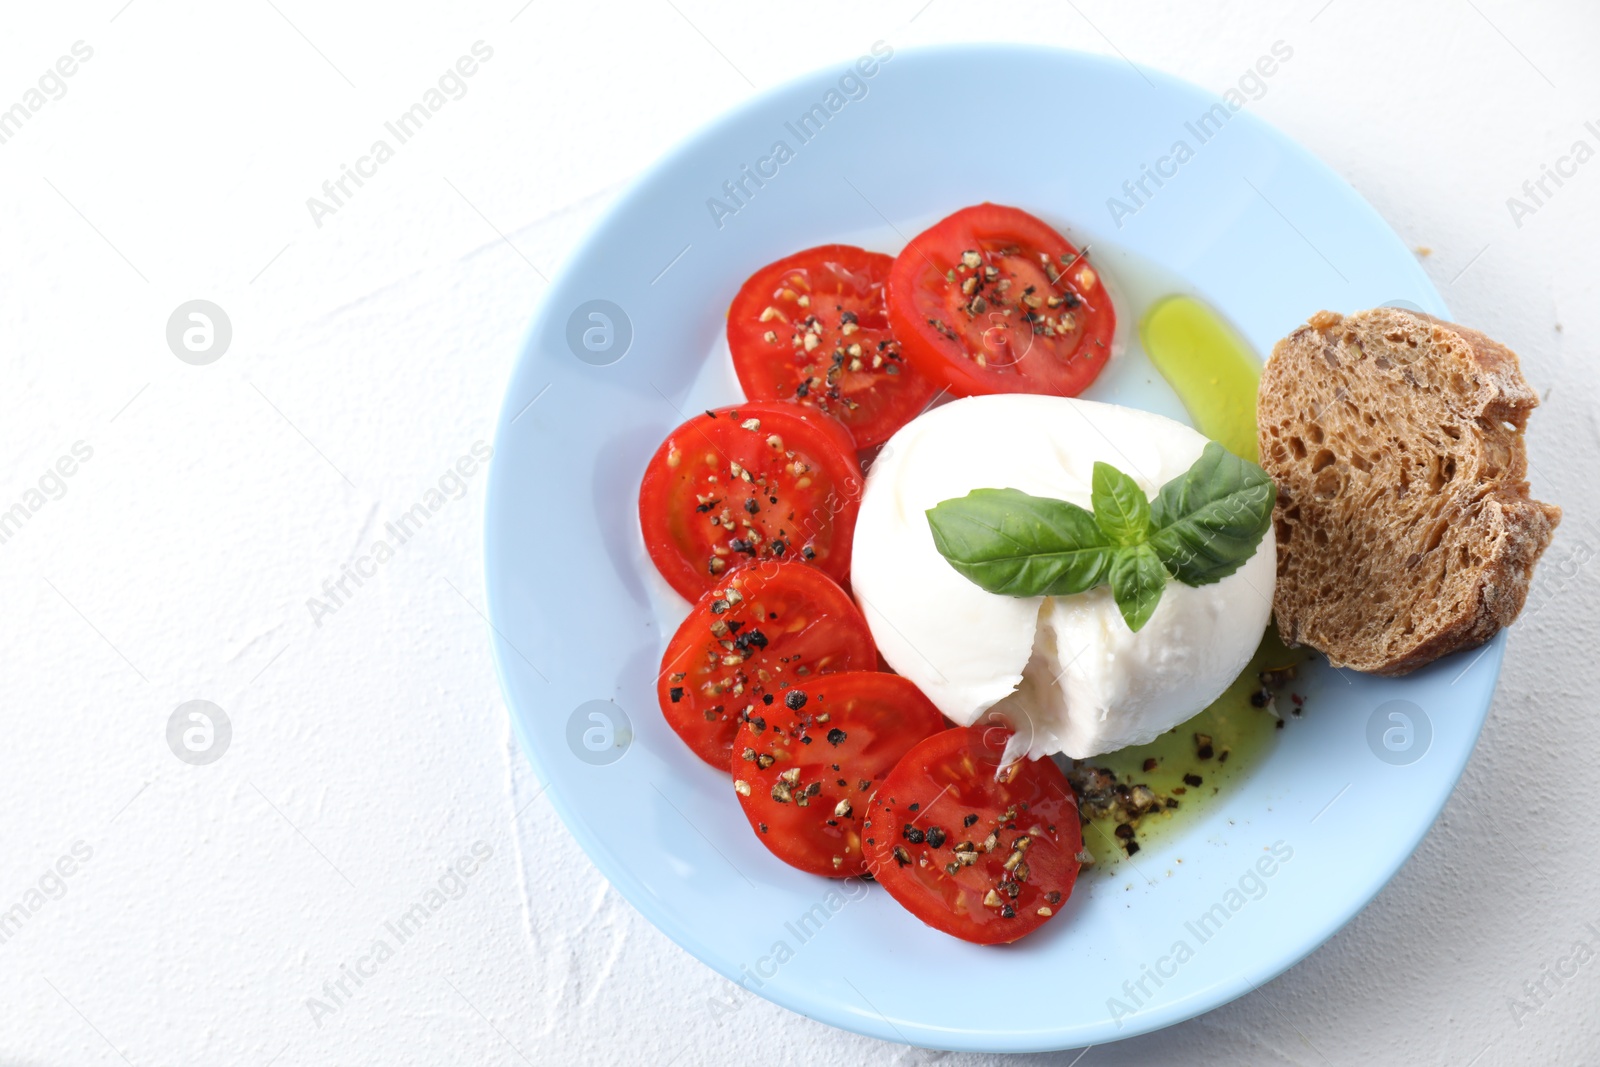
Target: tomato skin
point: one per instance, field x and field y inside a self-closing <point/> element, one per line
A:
<point x="941" y="784"/>
<point x="785" y="621"/>
<point x="835" y="351"/>
<point x="1003" y="325"/>
<point x="718" y="493"/>
<point x="804" y="768"/>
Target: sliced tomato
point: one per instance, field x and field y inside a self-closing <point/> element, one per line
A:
<point x="771" y="481"/>
<point x="814" y="327"/>
<point x="747" y="643"/>
<point x="805" y="766"/>
<point x="983" y="859"/>
<point x="992" y="300"/>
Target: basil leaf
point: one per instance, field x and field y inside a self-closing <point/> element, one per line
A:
<point x="1120" y="507"/>
<point x="1201" y="527"/>
<point x="1010" y="543"/>
<point x="1137" y="582"/>
<point x="1208" y="522"/>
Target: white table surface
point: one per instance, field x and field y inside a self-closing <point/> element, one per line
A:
<point x="371" y="751"/>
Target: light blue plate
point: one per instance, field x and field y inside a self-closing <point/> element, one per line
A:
<point x="1253" y="224"/>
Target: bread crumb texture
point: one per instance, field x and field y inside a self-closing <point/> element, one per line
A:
<point x="1404" y="525"/>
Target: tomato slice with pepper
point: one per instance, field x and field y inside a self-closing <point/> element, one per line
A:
<point x="770" y="481"/>
<point x="987" y="859"/>
<point x="814" y="327"/>
<point x="804" y="768"/>
<point x="748" y="642"/>
<point x="992" y="300"/>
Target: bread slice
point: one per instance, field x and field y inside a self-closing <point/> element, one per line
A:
<point x="1404" y="525"/>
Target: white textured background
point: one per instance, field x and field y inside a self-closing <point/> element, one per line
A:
<point x="369" y="354"/>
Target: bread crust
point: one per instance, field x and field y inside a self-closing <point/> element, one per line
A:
<point x="1404" y="523"/>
